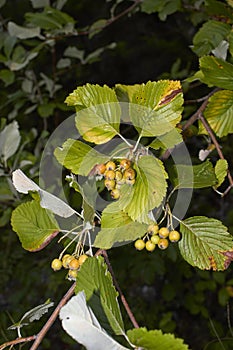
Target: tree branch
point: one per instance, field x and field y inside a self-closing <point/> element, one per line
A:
<point x="17" y="341"/>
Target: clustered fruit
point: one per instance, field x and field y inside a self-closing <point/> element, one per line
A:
<point x="69" y="262"/>
<point x="116" y="174"/>
<point x="156" y="236"/>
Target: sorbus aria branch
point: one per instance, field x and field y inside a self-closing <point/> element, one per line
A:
<point x="17" y="341"/>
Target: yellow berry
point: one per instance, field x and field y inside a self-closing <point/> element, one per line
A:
<point x="56" y="264"/>
<point x="110" y="165"/>
<point x="163" y="232"/>
<point x="66" y="260"/>
<point x="139" y="244"/>
<point x="153" y="229"/>
<point x="118" y="175"/>
<point x="130" y="182"/>
<point x="163" y="243"/>
<point x="129" y="174"/>
<point x="155" y="239"/>
<point x="109" y="174"/>
<point x="125" y="164"/>
<point x="72" y="274"/>
<point x="174" y="236"/>
<point x="115" y="193"/>
<point x="110" y="184"/>
<point x="150" y="246"/>
<point x="74" y="264"/>
<point x="82" y="258"/>
<point x="100" y="169"/>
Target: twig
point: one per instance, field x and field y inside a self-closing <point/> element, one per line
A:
<point x="17" y="341"/>
<point x="124" y="302"/>
<point x="52" y="318"/>
<point x="218" y="148"/>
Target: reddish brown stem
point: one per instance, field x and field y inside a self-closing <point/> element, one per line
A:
<point x="124" y="301"/>
<point x="52" y="318"/>
<point x="17" y="341"/>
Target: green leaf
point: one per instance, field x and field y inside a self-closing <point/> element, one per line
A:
<point x="196" y="176"/>
<point x="9" y="140"/>
<point x="148" y="191"/>
<point x="155" y="340"/>
<point x="219" y="113"/>
<point x="100" y="122"/>
<point x="39" y="3"/>
<point x="79" y="157"/>
<point x="206" y="243"/>
<point x="22" y="32"/>
<point x="216" y="72"/>
<point x="35" y="226"/>
<point x="210" y="36"/>
<point x="220" y="169"/>
<point x="7" y="76"/>
<point x="96" y="281"/>
<point x="156" y="107"/>
<point x="46" y="109"/>
<point x="163" y="7"/>
<point x="168" y="140"/>
<point x="96" y="27"/>
<point x="117" y="227"/>
<point x="127" y="91"/>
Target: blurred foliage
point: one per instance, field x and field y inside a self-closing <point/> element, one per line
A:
<point x="47" y="48"/>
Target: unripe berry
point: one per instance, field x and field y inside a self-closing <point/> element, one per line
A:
<point x="74" y="264"/>
<point x="100" y="169"/>
<point x="109" y="174"/>
<point x="82" y="258"/>
<point x="66" y="260"/>
<point x="150" y="246"/>
<point x="118" y="175"/>
<point x="56" y="264"/>
<point x="72" y="274"/>
<point x="125" y="164"/>
<point x="110" y="165"/>
<point x="129" y="174"/>
<point x="174" y="236"/>
<point x="153" y="229"/>
<point x="155" y="239"/>
<point x="163" y="232"/>
<point x="139" y="244"/>
<point x="163" y="243"/>
<point x="110" y="184"/>
<point x="115" y="193"/>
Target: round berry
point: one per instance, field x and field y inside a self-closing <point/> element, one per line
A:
<point x="110" y="184"/>
<point x="163" y="232"/>
<point x="74" y="264"/>
<point x="109" y="174"/>
<point x="153" y="229"/>
<point x="174" y="236"/>
<point x="100" y="169"/>
<point x="125" y="164"/>
<point x="130" y="182"/>
<point x="56" y="264"/>
<point x="150" y="246"/>
<point x="118" y="175"/>
<point x="129" y="174"/>
<point x="66" y="260"/>
<point x="139" y="244"/>
<point x="155" y="239"/>
<point x="115" y="193"/>
<point x="163" y="243"/>
<point x="82" y="258"/>
<point x="110" y="165"/>
<point x="72" y="274"/>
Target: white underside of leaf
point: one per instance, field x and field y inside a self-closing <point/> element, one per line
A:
<point x="79" y="321"/>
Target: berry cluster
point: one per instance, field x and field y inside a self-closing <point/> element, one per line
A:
<point x="116" y="175"/>
<point x="69" y="262"/>
<point x="156" y="236"/>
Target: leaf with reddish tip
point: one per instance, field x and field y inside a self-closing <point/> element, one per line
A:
<point x="35" y="226"/>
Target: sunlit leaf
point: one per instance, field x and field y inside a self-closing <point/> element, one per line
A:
<point x="98" y="112"/>
<point x="117" y="227"/>
<point x="221" y="168"/>
<point x="94" y="277"/>
<point x="34" y="225"/>
<point x="78" y="157"/>
<point x="156" y="107"/>
<point x="206" y="243"/>
<point x="148" y="191"/>
<point x="219" y="113"/>
<point x="127" y="91"/>
<point x="79" y="321"/>
<point x="168" y="140"/>
<point x="155" y="340"/>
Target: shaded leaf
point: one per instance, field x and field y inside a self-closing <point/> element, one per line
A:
<point x="22" y="32"/>
<point x="35" y="226"/>
<point x="168" y="140"/>
<point x="163" y="7"/>
<point x="9" y="140"/>
<point x="196" y="176"/>
<point x="78" y="157"/>
<point x="219" y="113"/>
<point x="206" y="243"/>
<point x="221" y="168"/>
<point x="117" y="227"/>
<point x="155" y="340"/>
<point x="81" y="324"/>
<point x="39" y="3"/>
<point x="96" y="27"/>
<point x="94" y="276"/>
<point x="156" y="107"/>
<point x="7" y="76"/>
